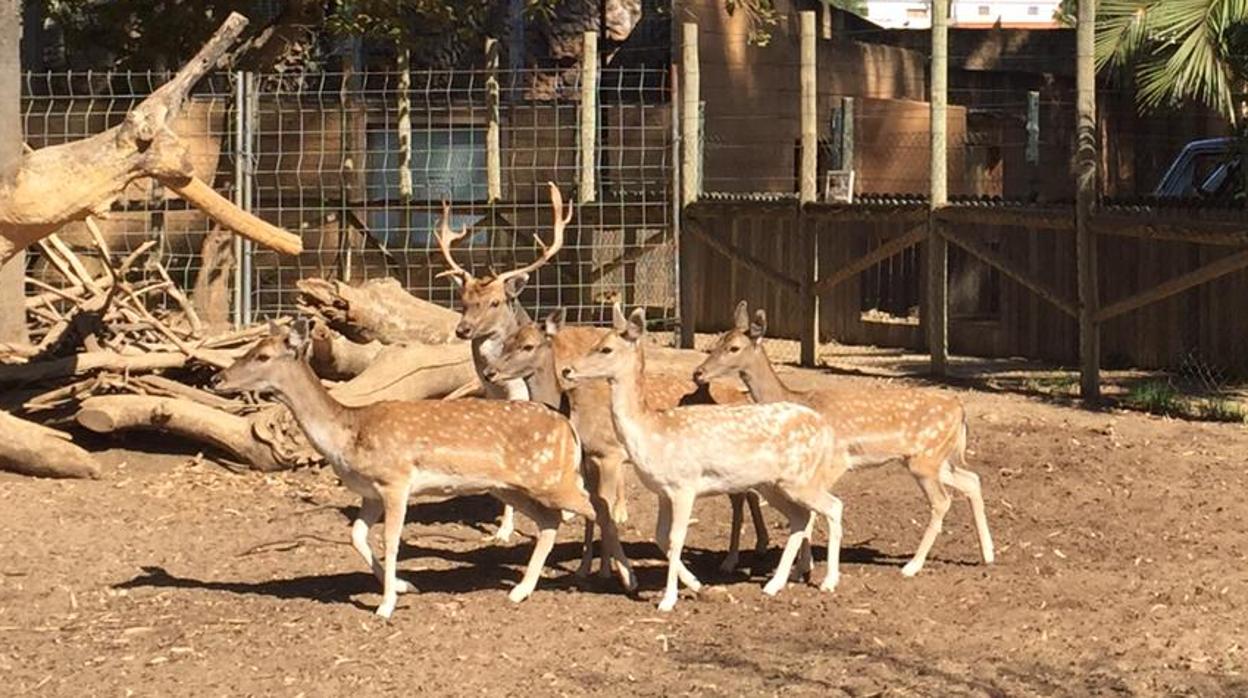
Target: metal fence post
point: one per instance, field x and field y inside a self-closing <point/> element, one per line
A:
<point x="808" y="187"/>
<point x="690" y="184"/>
<point x="589" y="116"/>
<point x="936" y="317"/>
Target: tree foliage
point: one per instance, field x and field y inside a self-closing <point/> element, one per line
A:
<point x="1175" y="51"/>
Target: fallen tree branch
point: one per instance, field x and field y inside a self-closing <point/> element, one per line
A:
<point x="31" y="449"/>
<point x="378" y="310"/>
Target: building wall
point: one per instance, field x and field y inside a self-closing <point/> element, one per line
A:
<point x="916" y="14"/>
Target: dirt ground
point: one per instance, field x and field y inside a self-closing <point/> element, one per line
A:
<point x="1122" y="570"/>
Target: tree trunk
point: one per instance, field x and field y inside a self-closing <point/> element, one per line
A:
<point x="413" y="372"/>
<point x="31" y="449"/>
<point x="378" y="310"/>
<point x="12" y="273"/>
<point x="233" y="435"/>
<point x="59" y="184"/>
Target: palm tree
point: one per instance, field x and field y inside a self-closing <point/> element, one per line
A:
<point x="1177" y="50"/>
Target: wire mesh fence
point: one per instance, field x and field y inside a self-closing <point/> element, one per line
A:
<point x="359" y="165"/>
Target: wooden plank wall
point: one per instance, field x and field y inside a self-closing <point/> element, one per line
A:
<point x="1203" y="325"/>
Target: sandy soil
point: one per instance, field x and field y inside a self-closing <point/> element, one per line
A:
<point x="1122" y="542"/>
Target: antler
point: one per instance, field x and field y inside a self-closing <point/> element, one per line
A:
<point x="556" y="242"/>
<point x="445" y="238"/>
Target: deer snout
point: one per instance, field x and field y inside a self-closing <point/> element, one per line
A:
<point x="568" y="373"/>
<point x="490" y="373"/>
<point x="463" y="330"/>
<point x="699" y="376"/>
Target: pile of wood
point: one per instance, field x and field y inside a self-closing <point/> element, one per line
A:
<point x="127" y="350"/>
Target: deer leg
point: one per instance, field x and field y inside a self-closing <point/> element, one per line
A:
<point x="682" y="511"/>
<point x="611" y="491"/>
<point x="761" y="539"/>
<point x="506" y="526"/>
<point x="547" y="521"/>
<point x="939" y="500"/>
<point x="369" y="514"/>
<point x="805" y="562"/>
<point x="734" y="533"/>
<point x="800" y="519"/>
<point x="619" y="504"/>
<point x="396" y="514"/>
<point x="967" y="483"/>
<point x="831" y="508"/>
<point x="662" y="536"/>
<point x="592" y="474"/>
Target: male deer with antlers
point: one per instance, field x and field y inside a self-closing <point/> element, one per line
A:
<point x="785" y="452"/>
<point x="536" y="353"/>
<point x="520" y="452"/>
<point x="491" y="312"/>
<point x="924" y="430"/>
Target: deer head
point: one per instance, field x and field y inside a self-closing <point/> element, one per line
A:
<point x="618" y="355"/>
<point x="737" y="348"/>
<point x="270" y="364"/>
<point x="527" y="350"/>
<point x="487" y="301"/>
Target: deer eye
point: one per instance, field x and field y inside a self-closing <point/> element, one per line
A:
<point x="263" y="357"/>
<point x="733" y="349"/>
<point x="494" y="303"/>
<point x="605" y="350"/>
<point x="529" y="347"/>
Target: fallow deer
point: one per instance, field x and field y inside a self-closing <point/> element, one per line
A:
<point x="386" y="452"/>
<point x="922" y="429"/>
<point x="785" y="452"/>
<point x="536" y="354"/>
<point x="490" y="311"/>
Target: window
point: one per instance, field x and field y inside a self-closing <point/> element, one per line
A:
<point x="916" y="13"/>
<point x="446" y="163"/>
<point x="984" y="10"/>
<point x="1033" y="10"/>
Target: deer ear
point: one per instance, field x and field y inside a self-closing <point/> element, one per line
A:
<point x="274" y="328"/>
<point x="555" y="320"/>
<point x="758" y="327"/>
<point x="741" y="318"/>
<point x="636" y="325"/>
<point x="514" y="285"/>
<point x="618" y="320"/>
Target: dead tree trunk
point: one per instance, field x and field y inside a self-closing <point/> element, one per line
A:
<point x="31" y="449"/>
<point x="55" y="185"/>
<point x="378" y="310"/>
<point x="12" y="272"/>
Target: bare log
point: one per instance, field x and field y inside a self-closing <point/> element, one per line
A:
<point x="338" y="358"/>
<point x="413" y="372"/>
<point x="32" y="449"/>
<point x="210" y="295"/>
<point x="378" y="310"/>
<point x="86" y="362"/>
<point x="231" y="434"/>
<point x="64" y="183"/>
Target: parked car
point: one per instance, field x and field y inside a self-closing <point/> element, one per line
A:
<point x="1205" y="169"/>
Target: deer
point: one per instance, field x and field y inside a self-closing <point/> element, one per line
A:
<point x="386" y="452"/>
<point x="491" y="311"/>
<point x="786" y="452"/>
<point x="925" y="431"/>
<point x="535" y="353"/>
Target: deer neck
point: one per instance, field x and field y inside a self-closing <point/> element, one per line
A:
<point x="629" y="414"/>
<point x="764" y="385"/>
<point x="326" y="422"/>
<point x="485" y="350"/>
<point x="543" y="384"/>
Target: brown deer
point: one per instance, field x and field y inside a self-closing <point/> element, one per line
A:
<point x="924" y="430"/>
<point x="785" y="452"/>
<point x="491" y="312"/>
<point x="535" y="353"/>
<point x="519" y="452"/>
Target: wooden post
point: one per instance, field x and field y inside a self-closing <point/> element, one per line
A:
<point x="404" y="130"/>
<point x="1032" y="153"/>
<point x="937" y="316"/>
<point x="847" y="133"/>
<point x="589" y="114"/>
<point x="13" y="272"/>
<point x="690" y="179"/>
<point x="1085" y="198"/>
<point x="493" y="156"/>
<point x="807" y="190"/>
